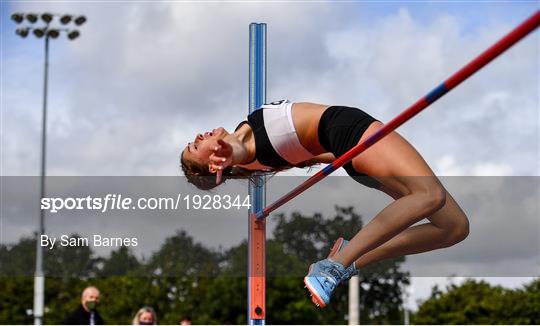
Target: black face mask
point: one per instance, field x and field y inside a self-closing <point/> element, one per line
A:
<point x="91" y="305"/>
<point x="145" y="323"/>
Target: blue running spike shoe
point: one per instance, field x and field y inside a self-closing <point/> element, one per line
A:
<point x="322" y="279"/>
<point x="338" y="245"/>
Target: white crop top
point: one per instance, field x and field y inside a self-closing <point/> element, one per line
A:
<point x="281" y="132"/>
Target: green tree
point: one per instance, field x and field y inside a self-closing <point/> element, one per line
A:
<point x="185" y="278"/>
<point x="478" y="302"/>
<point x="18" y="259"/>
<point x="62" y="295"/>
<point x="16" y="297"/>
<point x="121" y="262"/>
<point x="181" y="271"/>
<point x="70" y="261"/>
<point x="522" y="306"/>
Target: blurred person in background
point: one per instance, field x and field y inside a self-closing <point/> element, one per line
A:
<point x="145" y="316"/>
<point x="86" y="313"/>
<point x="186" y="320"/>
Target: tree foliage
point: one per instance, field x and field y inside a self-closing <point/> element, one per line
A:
<point x="184" y="277"/>
<point x="478" y="302"/>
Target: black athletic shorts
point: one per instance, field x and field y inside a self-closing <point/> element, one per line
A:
<point x="340" y="129"/>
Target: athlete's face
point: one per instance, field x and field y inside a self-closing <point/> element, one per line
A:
<point x="200" y="149"/>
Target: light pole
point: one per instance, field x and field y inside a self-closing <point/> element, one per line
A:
<point x="408" y="291"/>
<point x="354" y="306"/>
<point x="47" y="32"/>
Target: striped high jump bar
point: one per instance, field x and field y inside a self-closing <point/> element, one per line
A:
<point x="478" y="63"/>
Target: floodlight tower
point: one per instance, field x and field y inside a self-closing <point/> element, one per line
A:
<point x="45" y="31"/>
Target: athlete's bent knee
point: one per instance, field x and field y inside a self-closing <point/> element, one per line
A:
<point x="457" y="232"/>
<point x="461" y="230"/>
<point x="433" y="199"/>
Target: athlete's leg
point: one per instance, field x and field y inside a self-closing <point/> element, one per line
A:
<point x="401" y="170"/>
<point x="447" y="226"/>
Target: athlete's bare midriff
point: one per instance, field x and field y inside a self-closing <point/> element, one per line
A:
<point x="306" y="117"/>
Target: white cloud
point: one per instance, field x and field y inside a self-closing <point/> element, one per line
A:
<point x="491" y="169"/>
<point x="143" y="78"/>
<point x="448" y="166"/>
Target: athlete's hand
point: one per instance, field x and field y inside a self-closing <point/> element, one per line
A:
<point x="220" y="158"/>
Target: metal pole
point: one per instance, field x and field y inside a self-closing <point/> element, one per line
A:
<point x="405" y="306"/>
<point x="478" y="63"/>
<point x="354" y="308"/>
<point x="39" y="279"/>
<point x="407" y="292"/>
<point x="257" y="227"/>
<point x="406" y="316"/>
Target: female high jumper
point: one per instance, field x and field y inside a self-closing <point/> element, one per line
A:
<point x="283" y="135"/>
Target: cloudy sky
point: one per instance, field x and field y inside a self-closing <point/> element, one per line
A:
<point x="145" y="77"/>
